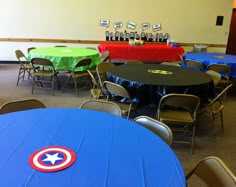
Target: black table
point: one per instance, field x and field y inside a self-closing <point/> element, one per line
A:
<point x="173" y="78"/>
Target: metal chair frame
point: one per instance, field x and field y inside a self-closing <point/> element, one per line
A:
<point x="25" y="66"/>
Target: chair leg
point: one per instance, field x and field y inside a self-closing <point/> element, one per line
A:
<point x="66" y="83"/>
<point x="19" y="76"/>
<point x="52" y="88"/>
<point x="33" y="82"/>
<point x="23" y="77"/>
<point x="58" y="83"/>
<point x="222" y="121"/>
<point x="76" y="89"/>
<point x="193" y="138"/>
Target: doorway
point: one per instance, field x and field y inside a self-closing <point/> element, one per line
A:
<point x="231" y="44"/>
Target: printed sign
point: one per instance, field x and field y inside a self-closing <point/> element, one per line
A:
<point x="104" y="23"/>
<point x="156" y="27"/>
<point x="131" y="25"/>
<point x="145" y="26"/>
<point x="117" y="25"/>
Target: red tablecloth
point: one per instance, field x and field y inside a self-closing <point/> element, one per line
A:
<point x="147" y="52"/>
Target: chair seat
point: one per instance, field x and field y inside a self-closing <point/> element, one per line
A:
<point x="28" y="66"/>
<point x="124" y="107"/>
<point x="95" y="92"/>
<point x="45" y="73"/>
<point x="77" y="74"/>
<point x="217" y="107"/>
<point x="176" y="117"/>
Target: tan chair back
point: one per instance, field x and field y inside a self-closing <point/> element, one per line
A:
<point x="19" y="105"/>
<point x="215" y="76"/>
<point x="157" y="127"/>
<point x="105" y="56"/>
<point x="220" y="68"/>
<point x="30" y="48"/>
<point x="113" y="90"/>
<point x="213" y="172"/>
<point x="183" y="101"/>
<point x="133" y="62"/>
<point x="171" y="63"/>
<point x="103" y="106"/>
<point x="194" y="64"/>
<point x="102" y="70"/>
<point x="20" y="55"/>
<point x="83" y="63"/>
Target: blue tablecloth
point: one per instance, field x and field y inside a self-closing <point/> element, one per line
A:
<point x="110" y="150"/>
<point x="214" y="58"/>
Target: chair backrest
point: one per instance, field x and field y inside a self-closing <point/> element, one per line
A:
<point x="215" y="76"/>
<point x="221" y="95"/>
<point x="117" y="90"/>
<point x="157" y="127"/>
<point x="103" y="106"/>
<point x="42" y="63"/>
<point x="105" y="56"/>
<point x="181" y="59"/>
<point x="194" y="64"/>
<point x="182" y="101"/>
<point x="214" y="172"/>
<point x="133" y="62"/>
<point x="60" y="46"/>
<point x="92" y="48"/>
<point x="93" y="79"/>
<point x="220" y="68"/>
<point x="20" y="56"/>
<point x="171" y="63"/>
<point x="19" y="105"/>
<point x="83" y="63"/>
<point x="30" y="48"/>
<point x="102" y="70"/>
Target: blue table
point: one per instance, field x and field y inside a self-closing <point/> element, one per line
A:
<point x="214" y="58"/>
<point x="110" y="150"/>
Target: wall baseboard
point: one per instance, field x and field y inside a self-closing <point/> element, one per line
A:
<point x="45" y="40"/>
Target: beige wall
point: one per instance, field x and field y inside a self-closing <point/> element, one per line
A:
<point x="187" y="21"/>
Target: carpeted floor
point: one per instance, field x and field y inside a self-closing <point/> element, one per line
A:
<point x="223" y="146"/>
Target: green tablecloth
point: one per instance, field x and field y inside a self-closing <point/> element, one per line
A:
<point x="65" y="58"/>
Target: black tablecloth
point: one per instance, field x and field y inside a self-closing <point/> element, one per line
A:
<point x="144" y="81"/>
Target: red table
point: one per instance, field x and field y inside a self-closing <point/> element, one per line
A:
<point x="147" y="52"/>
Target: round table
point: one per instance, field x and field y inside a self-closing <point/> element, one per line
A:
<point x="161" y="75"/>
<point x="214" y="58"/>
<point x="65" y="58"/>
<point x="143" y="80"/>
<point x="110" y="150"/>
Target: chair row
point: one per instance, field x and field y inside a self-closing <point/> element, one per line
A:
<point x="223" y="69"/>
<point x="43" y="72"/>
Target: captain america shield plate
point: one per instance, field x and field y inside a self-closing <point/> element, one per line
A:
<point x="52" y="158"/>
